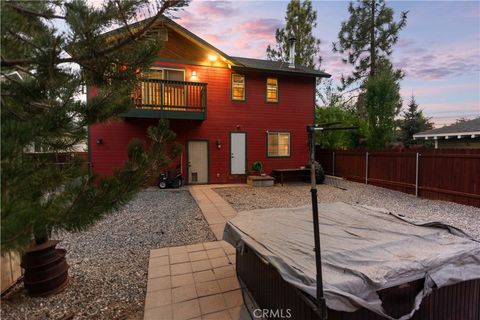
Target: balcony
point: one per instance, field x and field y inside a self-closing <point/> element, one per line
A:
<point x="169" y="99"/>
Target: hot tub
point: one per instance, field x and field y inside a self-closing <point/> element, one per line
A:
<point x="375" y="265"/>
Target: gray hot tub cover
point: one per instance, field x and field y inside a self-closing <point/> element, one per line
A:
<point x="364" y="250"/>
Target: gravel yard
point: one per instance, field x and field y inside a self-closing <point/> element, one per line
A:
<point x="415" y="209"/>
<point x="109" y="262"/>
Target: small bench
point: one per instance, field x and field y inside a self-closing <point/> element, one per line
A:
<point x="301" y="173"/>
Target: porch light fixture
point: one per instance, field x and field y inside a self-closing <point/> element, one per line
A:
<point x="219" y="144"/>
<point x="99" y="141"/>
<point x="194" y="76"/>
<point x="212" y="57"/>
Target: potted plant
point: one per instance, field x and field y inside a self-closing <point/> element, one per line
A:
<point x="257" y="167"/>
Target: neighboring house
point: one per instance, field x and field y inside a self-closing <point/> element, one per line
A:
<point x="465" y="134"/>
<point x="227" y="111"/>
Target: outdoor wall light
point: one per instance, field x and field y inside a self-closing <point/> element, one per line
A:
<point x="99" y="141"/>
<point x="194" y="76"/>
<point x="212" y="57"/>
<point x="219" y="144"/>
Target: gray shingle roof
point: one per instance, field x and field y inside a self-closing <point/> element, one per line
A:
<point x="466" y="127"/>
<point x="277" y="67"/>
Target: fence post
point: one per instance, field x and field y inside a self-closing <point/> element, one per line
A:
<point x="417" y="162"/>
<point x="333" y="163"/>
<point x="366" y="167"/>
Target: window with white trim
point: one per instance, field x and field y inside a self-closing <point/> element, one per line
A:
<point x="272" y="90"/>
<point x="238" y="87"/>
<point x="278" y="144"/>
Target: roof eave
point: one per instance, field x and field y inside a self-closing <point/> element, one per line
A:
<point x="281" y="71"/>
<point x="466" y="134"/>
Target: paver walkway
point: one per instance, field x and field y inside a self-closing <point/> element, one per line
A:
<point x="215" y="210"/>
<point x="194" y="282"/>
<point x="197" y="281"/>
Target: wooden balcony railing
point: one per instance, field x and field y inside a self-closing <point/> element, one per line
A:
<point x="170" y="95"/>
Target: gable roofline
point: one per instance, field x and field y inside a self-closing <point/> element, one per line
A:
<point x="167" y="22"/>
<point x="188" y="34"/>
<point x="236" y="63"/>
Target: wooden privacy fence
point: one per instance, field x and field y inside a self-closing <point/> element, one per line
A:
<point x="441" y="174"/>
<point x="11" y="270"/>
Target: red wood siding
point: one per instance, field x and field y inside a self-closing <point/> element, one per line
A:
<point x="254" y="116"/>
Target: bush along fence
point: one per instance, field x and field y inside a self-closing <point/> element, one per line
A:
<point x="440" y="174"/>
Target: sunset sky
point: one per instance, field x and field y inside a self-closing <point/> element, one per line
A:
<point x="439" y="50"/>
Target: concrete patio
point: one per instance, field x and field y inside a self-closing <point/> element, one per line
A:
<point x="197" y="281"/>
<point x="215" y="210"/>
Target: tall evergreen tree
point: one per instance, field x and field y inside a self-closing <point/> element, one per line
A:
<point x="382" y="103"/>
<point x="367" y="38"/>
<point x="413" y="122"/>
<point x="39" y="107"/>
<point x="300" y="20"/>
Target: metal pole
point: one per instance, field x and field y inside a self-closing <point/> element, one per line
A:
<point x="321" y="304"/>
<point x="333" y="163"/>
<point x="366" y="168"/>
<point x="416" y="173"/>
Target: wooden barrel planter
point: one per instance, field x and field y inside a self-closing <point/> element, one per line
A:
<point x="46" y="269"/>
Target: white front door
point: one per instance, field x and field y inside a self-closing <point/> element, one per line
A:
<point x="238" y="144"/>
<point x="197" y="161"/>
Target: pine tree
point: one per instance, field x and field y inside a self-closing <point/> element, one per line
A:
<point x="300" y="20"/>
<point x="413" y="122"/>
<point x="382" y="103"/>
<point x="41" y="79"/>
<point x="368" y="37"/>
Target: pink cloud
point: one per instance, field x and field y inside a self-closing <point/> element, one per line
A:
<point x="253" y="37"/>
<point x="447" y="113"/>
<point x="215" y="9"/>
<point x="442" y="62"/>
<point x="191" y="22"/>
<point x="260" y="28"/>
<point x="437" y="89"/>
<point x="451" y="109"/>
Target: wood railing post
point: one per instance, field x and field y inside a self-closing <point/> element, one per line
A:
<point x="366" y="167"/>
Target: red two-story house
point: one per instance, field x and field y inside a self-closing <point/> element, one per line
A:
<point x="227" y="112"/>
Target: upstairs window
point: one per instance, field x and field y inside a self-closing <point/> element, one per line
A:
<point x="238" y="87"/>
<point x="272" y="90"/>
<point x="278" y="144"/>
